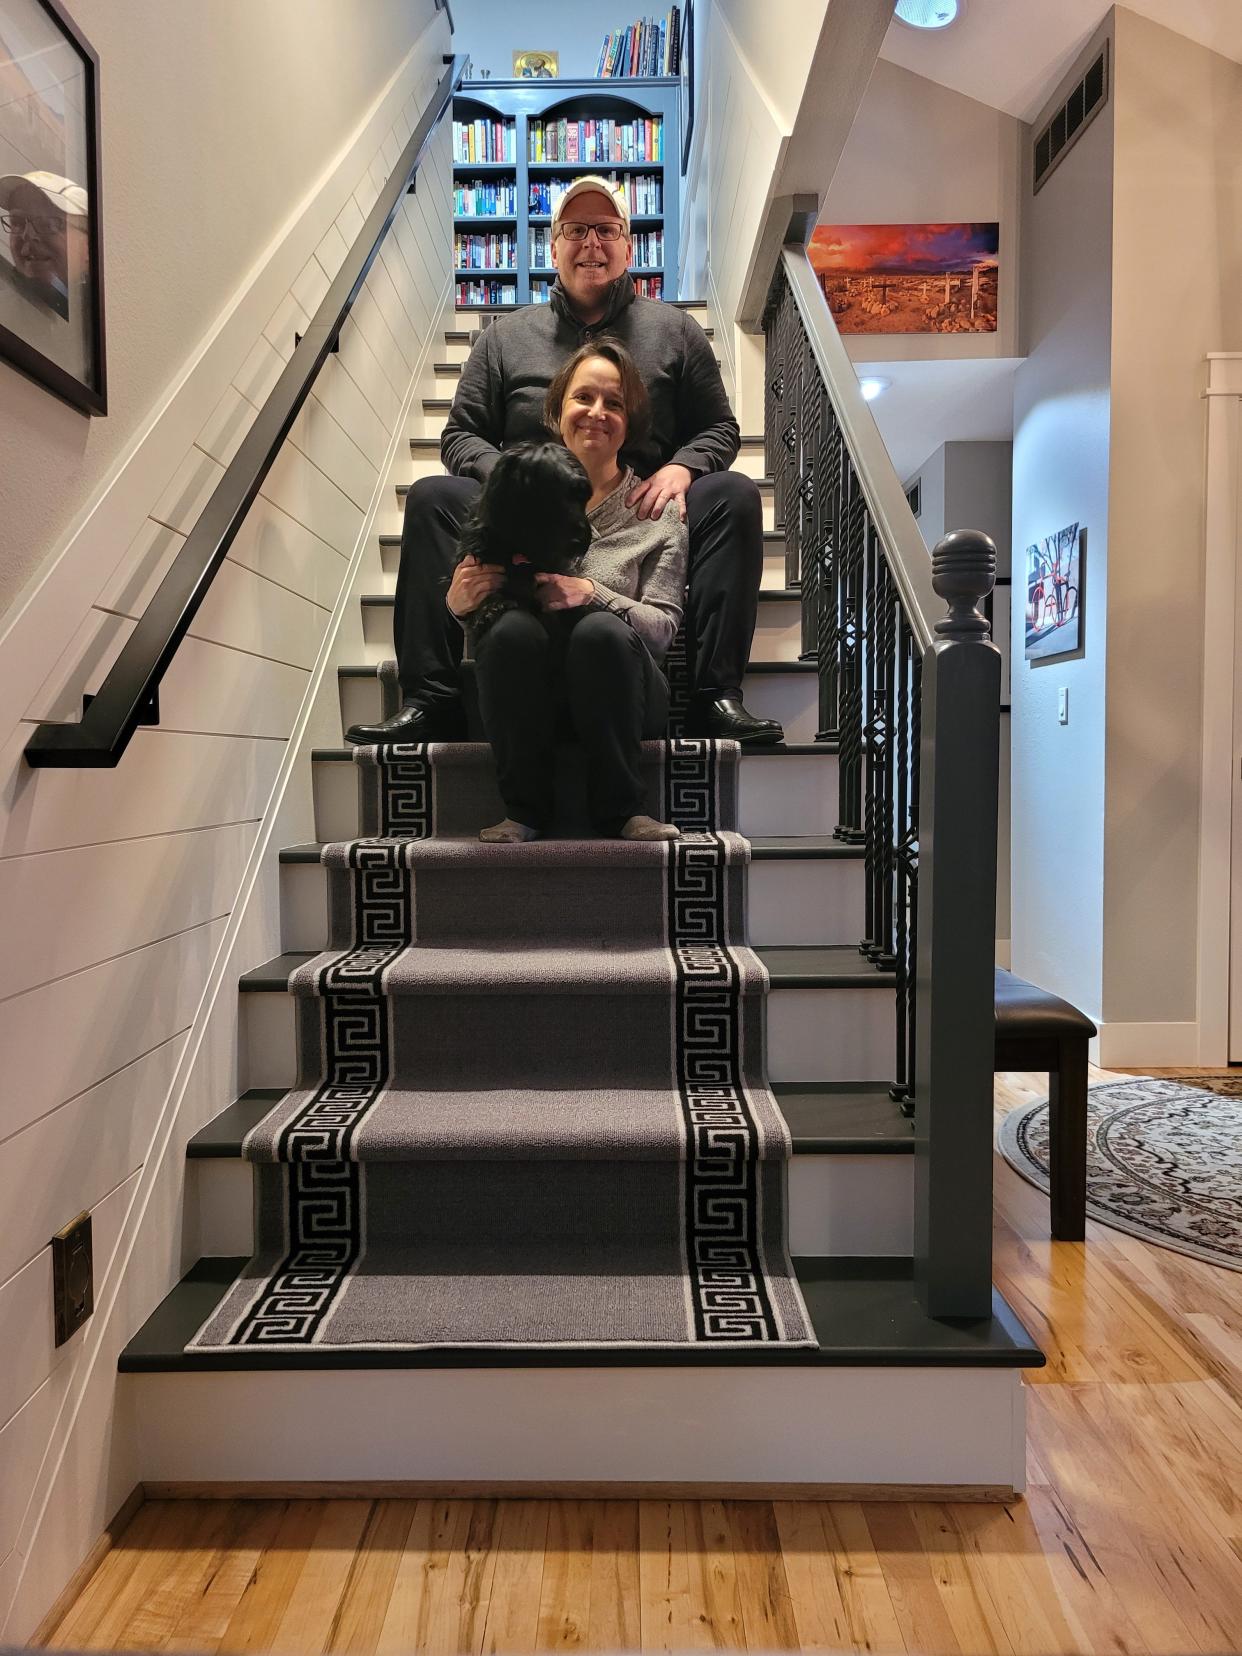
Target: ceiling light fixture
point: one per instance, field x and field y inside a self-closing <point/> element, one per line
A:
<point x="927" y="14"/>
<point x="872" y="386"/>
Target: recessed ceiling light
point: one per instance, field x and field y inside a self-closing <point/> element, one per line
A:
<point x="927" y="14"/>
<point x="872" y="386"/>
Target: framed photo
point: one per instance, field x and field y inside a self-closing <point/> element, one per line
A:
<point x="1054" y="594"/>
<point x="909" y="278"/>
<point x="687" y="84"/>
<point x="536" y="65"/>
<point x="51" y="243"/>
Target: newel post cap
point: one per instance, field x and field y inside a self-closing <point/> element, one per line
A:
<point x="963" y="572"/>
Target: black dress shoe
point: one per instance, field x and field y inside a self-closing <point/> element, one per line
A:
<point x="414" y="723"/>
<point x="725" y="719"/>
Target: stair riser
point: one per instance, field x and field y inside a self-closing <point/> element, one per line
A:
<point x="859" y="1206"/>
<point x="388" y="518"/>
<point x="390" y="560"/>
<point x="789" y="902"/>
<point x="777" y="632"/>
<point x="821" y="1034"/>
<point x="793" y="794"/>
<point x="954" y="1428"/>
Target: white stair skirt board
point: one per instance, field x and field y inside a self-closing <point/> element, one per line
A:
<point x="829" y="1034"/>
<point x="773" y="565"/>
<point x="856" y="1205"/>
<point x="796" y="788"/>
<point x="789" y="901"/>
<point x="936" y="1426"/>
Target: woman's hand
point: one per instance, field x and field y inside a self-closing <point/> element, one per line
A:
<point x="472" y="582"/>
<point x="563" y="592"/>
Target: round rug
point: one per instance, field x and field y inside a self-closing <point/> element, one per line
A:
<point x="1164" y="1162"/>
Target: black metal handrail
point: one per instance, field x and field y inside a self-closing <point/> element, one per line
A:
<point x="103" y="733"/>
<point x="912" y="705"/>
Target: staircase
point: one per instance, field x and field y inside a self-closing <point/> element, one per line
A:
<point x="889" y="1397"/>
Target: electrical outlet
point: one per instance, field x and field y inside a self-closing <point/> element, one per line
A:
<point x="1063" y="705"/>
<point x="73" y="1277"/>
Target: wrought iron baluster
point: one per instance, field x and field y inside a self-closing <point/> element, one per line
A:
<point x="812" y="397"/>
<point x="850" y="737"/>
<point x="828" y="584"/>
<point x="888" y="620"/>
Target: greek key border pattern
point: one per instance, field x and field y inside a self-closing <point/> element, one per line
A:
<point x="730" y="1296"/>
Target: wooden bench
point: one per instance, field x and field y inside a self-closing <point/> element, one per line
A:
<point x="1036" y="1030"/>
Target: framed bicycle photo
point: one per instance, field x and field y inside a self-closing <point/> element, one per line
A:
<point x="1053" y="595"/>
<point x="51" y="244"/>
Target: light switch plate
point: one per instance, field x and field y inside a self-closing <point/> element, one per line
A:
<point x="1063" y="705"/>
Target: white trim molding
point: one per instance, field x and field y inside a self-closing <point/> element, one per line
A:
<point x="1221" y="535"/>
<point x="1147" y="1045"/>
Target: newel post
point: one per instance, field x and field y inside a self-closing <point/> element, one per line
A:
<point x="955" y="982"/>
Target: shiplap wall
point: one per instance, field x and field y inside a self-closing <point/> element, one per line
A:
<point x="131" y="897"/>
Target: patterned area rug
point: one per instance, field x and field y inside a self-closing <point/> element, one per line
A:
<point x="532" y="1102"/>
<point x="1164" y="1162"/>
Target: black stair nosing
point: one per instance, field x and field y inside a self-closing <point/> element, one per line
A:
<point x="770" y="536"/>
<point x="775" y="595"/>
<point x="865" y="1311"/>
<point x="764" y="484"/>
<point x="448" y="368"/>
<point x="775" y="750"/>
<point x="437" y="405"/>
<point x="790" y="966"/>
<point x="763" y="848"/>
<point x="831" y="1118"/>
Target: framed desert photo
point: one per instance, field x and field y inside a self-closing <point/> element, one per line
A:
<point x="909" y="278"/>
<point x="51" y="245"/>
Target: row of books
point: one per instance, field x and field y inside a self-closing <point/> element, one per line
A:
<point x="596" y="142"/>
<point x="649" y="47"/>
<point x="648" y="251"/>
<point x="480" y="200"/>
<point x="649" y="287"/>
<point x="644" y="192"/>
<point x="487" y="251"/>
<point x="485" y="142"/>
<point x="485" y="293"/>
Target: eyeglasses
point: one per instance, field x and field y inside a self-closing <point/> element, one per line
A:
<point x="25" y="225"/>
<point x="609" y="231"/>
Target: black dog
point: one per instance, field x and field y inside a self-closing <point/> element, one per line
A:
<point x="531" y="519"/>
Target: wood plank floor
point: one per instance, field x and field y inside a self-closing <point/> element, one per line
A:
<point x="1129" y="1539"/>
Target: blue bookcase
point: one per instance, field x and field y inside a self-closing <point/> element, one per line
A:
<point x="523" y="106"/>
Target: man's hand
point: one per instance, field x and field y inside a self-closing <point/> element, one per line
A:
<point x="563" y="592"/>
<point x="669" y="483"/>
<point x="472" y="582"/>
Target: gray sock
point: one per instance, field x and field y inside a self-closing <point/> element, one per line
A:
<point x="647" y="828"/>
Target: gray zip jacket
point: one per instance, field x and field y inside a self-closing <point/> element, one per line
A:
<point x="500" y="395"/>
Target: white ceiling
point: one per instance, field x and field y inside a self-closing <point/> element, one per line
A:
<point x="1011" y="53"/>
<point x="952" y="400"/>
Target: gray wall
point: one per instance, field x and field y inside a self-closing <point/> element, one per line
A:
<point x="492" y="30"/>
<point x="1061" y="475"/>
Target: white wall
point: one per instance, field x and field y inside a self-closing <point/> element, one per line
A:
<point x="124" y="892"/>
<point x="1177" y="186"/>
<point x="491" y="31"/>
<point x="1061" y="475"/>
<point x="919" y="153"/>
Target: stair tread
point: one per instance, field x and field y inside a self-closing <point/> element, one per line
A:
<point x="833" y="1119"/>
<point x="790" y="966"/>
<point x="764" y="484"/>
<point x="763" y="848"/>
<point x="772" y="595"/>
<point x="772" y="537"/>
<point x="865" y="1312"/>
<point x="777" y="750"/>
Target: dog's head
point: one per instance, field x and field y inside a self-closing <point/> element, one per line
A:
<point x="533" y="506"/>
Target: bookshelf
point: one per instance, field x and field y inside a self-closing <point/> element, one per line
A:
<point x="514" y="123"/>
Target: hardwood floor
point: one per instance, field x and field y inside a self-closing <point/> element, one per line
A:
<point x="1129" y="1539"/>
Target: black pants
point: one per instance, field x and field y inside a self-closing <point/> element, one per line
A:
<point x="578" y="672"/>
<point x="723" y="515"/>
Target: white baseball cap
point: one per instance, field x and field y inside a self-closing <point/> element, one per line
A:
<point x="71" y="198"/>
<point x="596" y="186"/>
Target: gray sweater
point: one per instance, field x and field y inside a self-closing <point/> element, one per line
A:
<point x="499" y="398"/>
<point x="638" y="568"/>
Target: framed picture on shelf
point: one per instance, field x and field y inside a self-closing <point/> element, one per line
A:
<point x="687" y="84"/>
<point x="536" y="65"/>
<point x="1054" y="594"/>
<point x="51" y="244"/>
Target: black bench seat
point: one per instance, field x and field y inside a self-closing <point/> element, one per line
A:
<point x="1036" y="1030"/>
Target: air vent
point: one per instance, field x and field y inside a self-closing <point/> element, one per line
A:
<point x="914" y="494"/>
<point x="1072" y="119"/>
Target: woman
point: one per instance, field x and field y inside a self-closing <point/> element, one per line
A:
<point x="590" y="659"/>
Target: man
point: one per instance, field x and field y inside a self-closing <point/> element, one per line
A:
<point x="692" y="442"/>
<point x="46" y="219"/>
